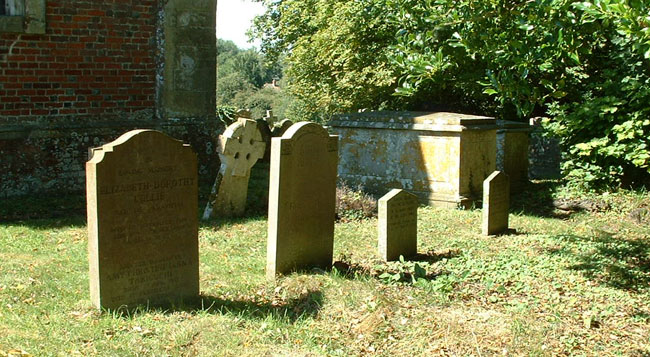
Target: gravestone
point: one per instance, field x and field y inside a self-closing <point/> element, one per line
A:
<point x="244" y="113"/>
<point x="265" y="132"/>
<point x="496" y="203"/>
<point x="240" y="146"/>
<point x="398" y="225"/>
<point x="301" y="200"/>
<point x="280" y="128"/>
<point x="142" y="196"/>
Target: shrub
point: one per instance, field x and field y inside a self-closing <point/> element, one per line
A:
<point x="353" y="204"/>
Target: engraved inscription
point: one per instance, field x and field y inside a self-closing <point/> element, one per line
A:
<point x="143" y="226"/>
<point x="397" y="225"/>
<point x="402" y="213"/>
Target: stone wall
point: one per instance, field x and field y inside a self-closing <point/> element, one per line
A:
<point x="98" y="69"/>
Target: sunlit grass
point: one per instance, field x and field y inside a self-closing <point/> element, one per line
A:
<point x="563" y="284"/>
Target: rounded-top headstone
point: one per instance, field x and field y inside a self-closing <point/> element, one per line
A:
<point x="302" y="195"/>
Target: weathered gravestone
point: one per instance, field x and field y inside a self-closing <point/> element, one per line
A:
<point x="301" y="200"/>
<point x="280" y="128"/>
<point x="142" y="223"/>
<point x="265" y="132"/>
<point x="398" y="225"/>
<point x="240" y="146"/>
<point x="496" y="203"/>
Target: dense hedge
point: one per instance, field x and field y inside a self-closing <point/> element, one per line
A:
<point x="584" y="65"/>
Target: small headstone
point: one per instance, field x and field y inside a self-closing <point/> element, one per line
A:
<point x="281" y="127"/>
<point x="398" y="225"/>
<point x="301" y="200"/>
<point x="240" y="146"/>
<point x="142" y="196"/>
<point x="496" y="203"/>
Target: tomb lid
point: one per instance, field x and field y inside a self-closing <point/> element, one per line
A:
<point x="510" y="126"/>
<point x="435" y="121"/>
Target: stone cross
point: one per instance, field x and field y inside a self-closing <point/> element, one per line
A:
<point x="240" y="146"/>
<point x="270" y="118"/>
<point x="143" y="245"/>
<point x="302" y="194"/>
<point x="496" y="203"/>
<point x="398" y="225"/>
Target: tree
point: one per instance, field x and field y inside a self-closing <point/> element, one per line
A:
<point x="583" y="64"/>
<point x="241" y="76"/>
<point x="337" y="53"/>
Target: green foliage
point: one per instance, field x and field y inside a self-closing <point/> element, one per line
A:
<point x="226" y="114"/>
<point x="404" y="271"/>
<point x="259" y="101"/>
<point x="584" y="64"/>
<point x="241" y="76"/>
<point x="337" y="53"/>
<point x="248" y="64"/>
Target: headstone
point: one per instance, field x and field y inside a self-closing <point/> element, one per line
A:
<point x="240" y="146"/>
<point x="244" y="113"/>
<point x="142" y="196"/>
<point x="398" y="225"/>
<point x="301" y="200"/>
<point x="265" y="132"/>
<point x="496" y="203"/>
<point x="281" y="127"/>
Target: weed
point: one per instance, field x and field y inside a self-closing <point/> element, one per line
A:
<point x="354" y="205"/>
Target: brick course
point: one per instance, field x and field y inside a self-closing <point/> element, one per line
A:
<point x="97" y="58"/>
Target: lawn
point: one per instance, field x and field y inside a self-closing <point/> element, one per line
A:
<point x="563" y="284"/>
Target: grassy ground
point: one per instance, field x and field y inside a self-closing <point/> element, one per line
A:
<point x="564" y="284"/>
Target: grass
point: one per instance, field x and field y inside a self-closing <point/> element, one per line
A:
<point x="575" y="284"/>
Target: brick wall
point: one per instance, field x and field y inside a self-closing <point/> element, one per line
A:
<point x="96" y="59"/>
<point x="101" y="68"/>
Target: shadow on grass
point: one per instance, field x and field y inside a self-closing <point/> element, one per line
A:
<point x="433" y="257"/>
<point x="615" y="262"/>
<point x="227" y="221"/>
<point x="411" y="269"/>
<point x="536" y="199"/>
<point x="305" y="305"/>
<point x="44" y="211"/>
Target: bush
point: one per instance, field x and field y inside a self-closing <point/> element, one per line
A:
<point x="354" y="205"/>
<point x="586" y="64"/>
<point x="226" y="114"/>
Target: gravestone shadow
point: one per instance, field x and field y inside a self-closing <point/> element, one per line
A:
<point x="378" y="269"/>
<point x="44" y="211"/>
<point x="536" y="199"/>
<point x="305" y="305"/>
<point x="433" y="257"/>
<point x="611" y="261"/>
